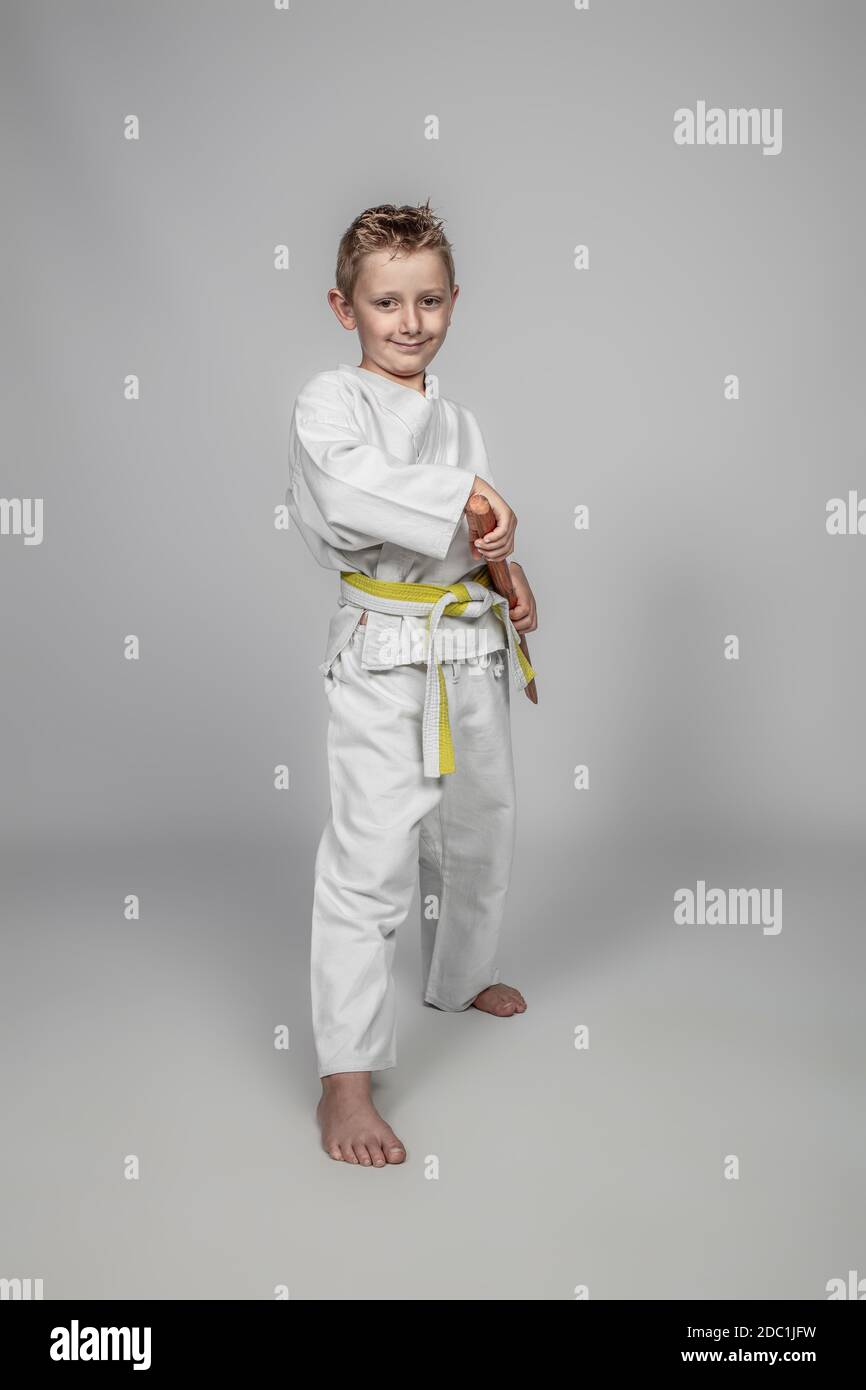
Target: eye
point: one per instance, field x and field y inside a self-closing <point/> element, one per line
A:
<point x="383" y="303"/>
<point x="432" y="300"/>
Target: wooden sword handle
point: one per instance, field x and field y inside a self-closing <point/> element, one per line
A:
<point x="481" y="519"/>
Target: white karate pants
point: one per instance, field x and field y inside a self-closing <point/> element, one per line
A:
<point x="390" y="826"/>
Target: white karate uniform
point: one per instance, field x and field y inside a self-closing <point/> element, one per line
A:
<point x="379" y="477"/>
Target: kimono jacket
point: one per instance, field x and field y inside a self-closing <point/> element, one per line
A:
<point x="379" y="475"/>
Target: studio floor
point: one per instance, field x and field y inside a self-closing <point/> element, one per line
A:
<point x="534" y="1168"/>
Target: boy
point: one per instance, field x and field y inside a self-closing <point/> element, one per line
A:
<point x="416" y="675"/>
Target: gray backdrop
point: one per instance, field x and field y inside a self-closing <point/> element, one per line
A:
<point x="607" y="1167"/>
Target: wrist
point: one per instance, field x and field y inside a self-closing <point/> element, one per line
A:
<point x="482" y="486"/>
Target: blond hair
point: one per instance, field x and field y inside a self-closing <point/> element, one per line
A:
<point x="385" y="228"/>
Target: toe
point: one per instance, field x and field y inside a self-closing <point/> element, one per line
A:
<point x="348" y="1153"/>
<point x="363" y="1154"/>
<point x="394" y="1151"/>
<point x="334" y="1151"/>
<point x="375" y="1150"/>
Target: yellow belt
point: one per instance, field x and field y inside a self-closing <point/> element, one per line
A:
<point x="468" y="598"/>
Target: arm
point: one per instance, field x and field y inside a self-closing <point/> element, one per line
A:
<point x="354" y="495"/>
<point x="524" y="614"/>
<point x="498" y="543"/>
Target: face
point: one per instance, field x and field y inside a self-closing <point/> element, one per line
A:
<point x="401" y="309"/>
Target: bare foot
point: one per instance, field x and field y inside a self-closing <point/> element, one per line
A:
<point x="501" y="1000"/>
<point x="352" y="1128"/>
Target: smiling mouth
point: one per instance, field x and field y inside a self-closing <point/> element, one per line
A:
<point x="407" y="346"/>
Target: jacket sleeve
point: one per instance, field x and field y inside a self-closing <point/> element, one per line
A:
<point x="353" y="494"/>
<point x="472" y="444"/>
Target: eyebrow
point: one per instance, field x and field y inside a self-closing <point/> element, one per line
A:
<point x="395" y="294"/>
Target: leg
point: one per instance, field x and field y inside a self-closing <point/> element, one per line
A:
<point x="364" y="882"/>
<point x="366" y="861"/>
<point x="467" y="840"/>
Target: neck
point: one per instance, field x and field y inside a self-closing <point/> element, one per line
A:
<point x="416" y="382"/>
